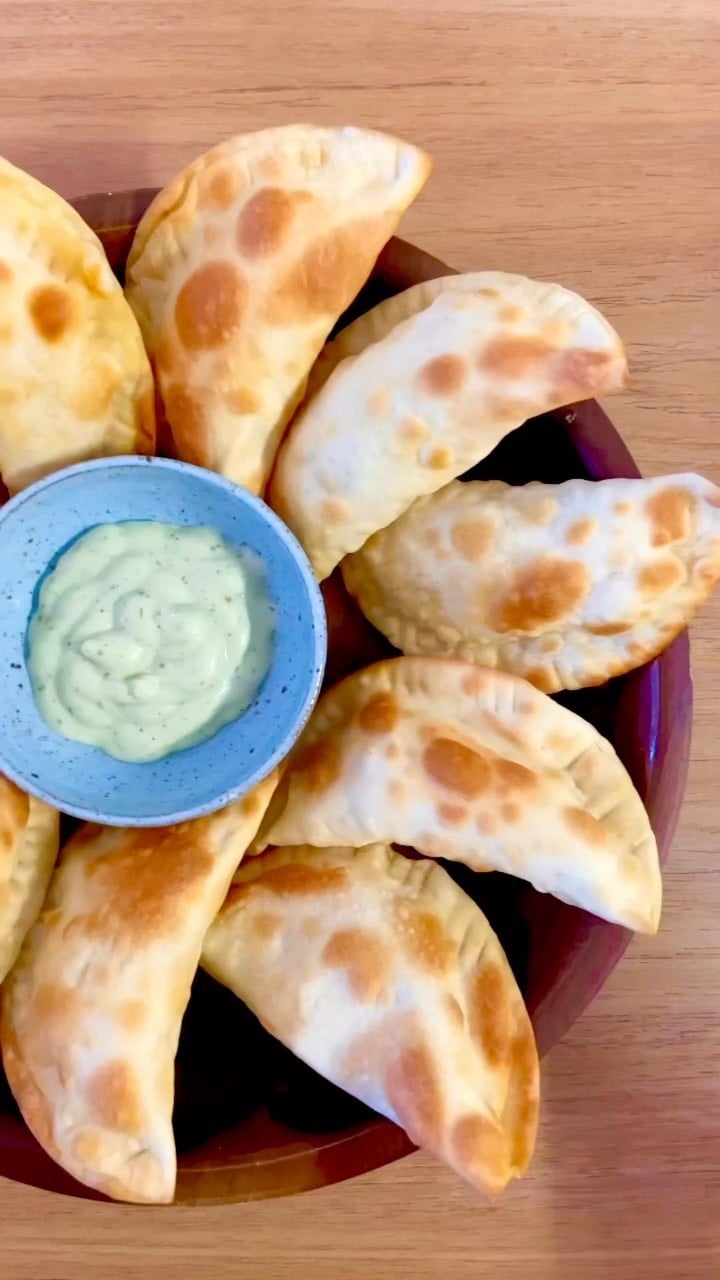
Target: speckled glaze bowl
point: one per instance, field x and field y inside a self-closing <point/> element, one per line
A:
<point x="84" y="781"/>
<point x="250" y="1120"/>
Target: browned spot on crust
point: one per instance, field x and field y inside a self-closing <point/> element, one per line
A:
<point x="438" y="458"/>
<point x="291" y="880"/>
<point x="522" y="1115"/>
<point x="473" y="538"/>
<point x="266" y="925"/>
<point x="473" y="683"/>
<point x="187" y="420"/>
<point x="397" y="791"/>
<point x="581" y="372"/>
<point x="380" y="713"/>
<point x="543" y="678"/>
<point x="543" y="591"/>
<point x="379" y="402"/>
<point x="113" y="1097"/>
<point x="487" y="293"/>
<point x="93" y="397"/>
<point x="143" y="882"/>
<point x="514" y="777"/>
<point x="510" y="812"/>
<point x="608" y="628"/>
<point x="318" y="766"/>
<point x="364" y="957"/>
<point x="507" y="408"/>
<point x="14" y="813"/>
<point x="53" y="1001"/>
<point x="392" y="751"/>
<point x="622" y="508"/>
<point x="6" y="272"/>
<point x="540" y="510"/>
<point x="333" y="510"/>
<point x="220" y="189"/>
<point x="581" y="531"/>
<point x="263" y="226"/>
<point x="329" y="273"/>
<point x="253" y="801"/>
<point x="242" y="400"/>
<point x="443" y="376"/>
<point x="557" y="331"/>
<point x="210" y="306"/>
<point x="453" y="815"/>
<point x="457" y="767"/>
<point x="424" y="939"/>
<point x="132" y="1015"/>
<point x="551" y="644"/>
<point x="413" y="1091"/>
<point x="455" y="1012"/>
<point x="480" y="1148"/>
<point x="584" y="825"/>
<point x="656" y="579"/>
<point x="51" y="311"/>
<point x="490" y="1013"/>
<point x="513" y="356"/>
<point x="510" y="313"/>
<point x="668" y="511"/>
<point x="414" y="430"/>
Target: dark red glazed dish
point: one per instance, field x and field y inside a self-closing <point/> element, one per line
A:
<point x="250" y="1120"/>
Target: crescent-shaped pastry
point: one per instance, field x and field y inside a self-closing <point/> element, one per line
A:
<point x="434" y="379"/>
<point x="473" y="765"/>
<point x="566" y="585"/>
<point x="29" y="833"/>
<point x="75" y="382"/>
<point x="92" y="1010"/>
<point x="240" y="268"/>
<point x="387" y="979"/>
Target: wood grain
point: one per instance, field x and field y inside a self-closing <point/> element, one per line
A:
<point x="574" y="140"/>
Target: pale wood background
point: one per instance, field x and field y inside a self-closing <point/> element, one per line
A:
<point x="575" y="140"/>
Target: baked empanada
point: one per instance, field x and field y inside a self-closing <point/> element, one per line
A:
<point x="433" y="380"/>
<point x="474" y="765"/>
<point x="92" y="1010"/>
<point x="240" y="268"/>
<point x="566" y="585"/>
<point x="387" y="979"/>
<point x="29" y="833"/>
<point x="75" y="381"/>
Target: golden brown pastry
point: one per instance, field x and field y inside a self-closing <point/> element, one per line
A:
<point x="430" y="382"/>
<point x="29" y="832"/>
<point x="473" y="765"/>
<point x="241" y="267"/>
<point x="566" y="585"/>
<point x="75" y="382"/>
<point x="387" y="979"/>
<point x="92" y="1010"/>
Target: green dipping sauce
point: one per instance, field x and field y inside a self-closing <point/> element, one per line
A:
<point x="148" y="637"/>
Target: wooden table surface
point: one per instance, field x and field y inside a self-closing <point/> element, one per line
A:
<point x="577" y="141"/>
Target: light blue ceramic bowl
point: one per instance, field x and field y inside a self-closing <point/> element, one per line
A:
<point x="84" y="781"/>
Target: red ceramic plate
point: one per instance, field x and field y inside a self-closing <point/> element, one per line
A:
<point x="250" y="1120"/>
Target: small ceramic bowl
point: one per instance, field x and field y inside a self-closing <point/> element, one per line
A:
<point x="83" y="780"/>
